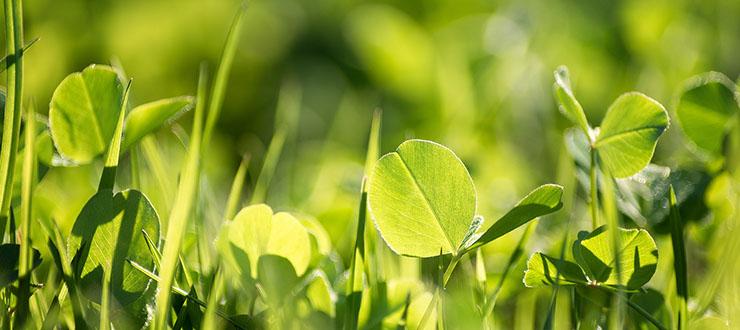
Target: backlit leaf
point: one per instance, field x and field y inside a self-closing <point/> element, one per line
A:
<point x="147" y="118"/>
<point x="704" y="110"/>
<point x="567" y="103"/>
<point x="638" y="253"/>
<point x="83" y="112"/>
<point x="541" y="201"/>
<point x="256" y="231"/>
<point x="629" y="133"/>
<point x="422" y="199"/>
<point x="109" y="231"/>
<point x="545" y="270"/>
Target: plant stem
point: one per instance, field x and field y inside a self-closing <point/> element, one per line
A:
<point x="437" y="292"/>
<point x="594" y="191"/>
<point x="13" y="104"/>
<point x="450" y="268"/>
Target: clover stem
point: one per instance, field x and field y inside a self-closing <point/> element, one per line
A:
<point x="594" y="191"/>
<point x="437" y="292"/>
<point x="450" y="269"/>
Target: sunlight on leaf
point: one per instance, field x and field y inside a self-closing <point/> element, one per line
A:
<point x="629" y="133"/>
<point x="83" y="112"/>
<point x="638" y="254"/>
<point x="422" y="199"/>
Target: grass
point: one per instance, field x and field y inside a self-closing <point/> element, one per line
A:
<point x="406" y="234"/>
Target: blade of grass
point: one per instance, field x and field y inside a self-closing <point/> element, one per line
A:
<point x="8" y="59"/>
<point x="62" y="262"/>
<point x="108" y="181"/>
<point x="679" y="264"/>
<point x="220" y="81"/>
<point x="373" y="256"/>
<point x="286" y="118"/>
<point x="355" y="280"/>
<point x="181" y="292"/>
<point x="567" y="178"/>
<point x="108" y="178"/>
<point x="13" y="104"/>
<point x="182" y="208"/>
<point x="209" y="319"/>
<point x="25" y="262"/>
<point x="156" y="256"/>
<point x="235" y="194"/>
<point x="156" y="165"/>
<point x="646" y="315"/>
<point x="513" y="259"/>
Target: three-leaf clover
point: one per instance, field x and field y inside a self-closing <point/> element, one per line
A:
<point x="629" y="132"/>
<point x="595" y="263"/>
<point x="423" y="202"/>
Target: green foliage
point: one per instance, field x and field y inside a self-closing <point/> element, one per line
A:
<point x="108" y="231"/>
<point x="545" y="270"/>
<point x="626" y="139"/>
<point x="544" y="200"/>
<point x="638" y="257"/>
<point x="567" y="103"/>
<point x="595" y="257"/>
<point x="629" y="133"/>
<point x="422" y="199"/>
<point x="705" y="107"/>
<point x="76" y="253"/>
<point x="84" y="111"/>
<point x="148" y="117"/>
<point x="256" y="232"/>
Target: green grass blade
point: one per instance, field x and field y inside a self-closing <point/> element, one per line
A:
<point x="513" y="260"/>
<point x="679" y="264"/>
<point x="355" y="280"/>
<point x="286" y="119"/>
<point x="217" y="289"/>
<point x="181" y="292"/>
<point x="156" y="256"/>
<point x="182" y="209"/>
<point x="25" y="263"/>
<point x="220" y="81"/>
<point x="13" y="103"/>
<point x="108" y="178"/>
<point x="7" y="59"/>
<point x="646" y="315"/>
<point x="235" y="194"/>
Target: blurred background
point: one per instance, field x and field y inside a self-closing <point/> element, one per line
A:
<point x="473" y="75"/>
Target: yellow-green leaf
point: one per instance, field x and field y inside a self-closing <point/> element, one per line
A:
<point x="422" y="199"/>
<point x="83" y="112"/>
<point x="629" y="133"/>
